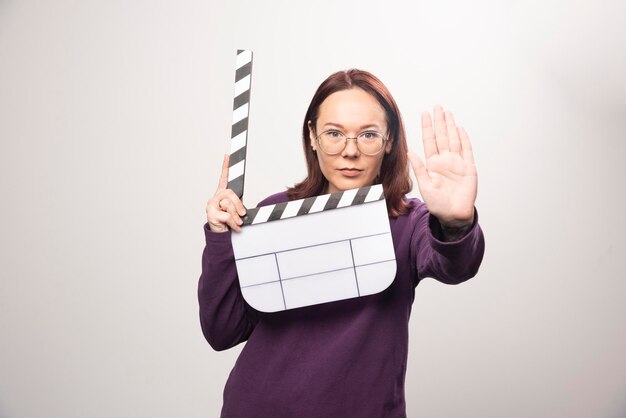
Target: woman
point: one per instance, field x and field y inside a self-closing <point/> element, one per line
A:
<point x="346" y="358"/>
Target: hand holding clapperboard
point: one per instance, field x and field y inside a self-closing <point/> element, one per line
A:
<point x="309" y="251"/>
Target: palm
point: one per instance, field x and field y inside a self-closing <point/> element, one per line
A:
<point x="448" y="181"/>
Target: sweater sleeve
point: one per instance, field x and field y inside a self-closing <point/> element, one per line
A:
<point x="450" y="262"/>
<point x="226" y="319"/>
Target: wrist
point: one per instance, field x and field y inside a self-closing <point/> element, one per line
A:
<point x="219" y="228"/>
<point x="455" y="230"/>
<point x="454" y="233"/>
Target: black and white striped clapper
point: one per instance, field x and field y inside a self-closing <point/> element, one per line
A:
<point x="304" y="252"/>
<point x="239" y="132"/>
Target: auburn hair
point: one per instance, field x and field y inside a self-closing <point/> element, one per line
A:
<point x="394" y="173"/>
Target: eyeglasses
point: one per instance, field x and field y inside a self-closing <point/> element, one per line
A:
<point x="332" y="142"/>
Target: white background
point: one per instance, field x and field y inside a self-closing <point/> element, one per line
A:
<point x="114" y="116"/>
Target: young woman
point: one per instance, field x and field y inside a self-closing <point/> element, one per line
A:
<point x="345" y="358"/>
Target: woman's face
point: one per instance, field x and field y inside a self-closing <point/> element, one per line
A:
<point x="351" y="112"/>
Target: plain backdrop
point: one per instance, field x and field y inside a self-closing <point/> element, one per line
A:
<point x="114" y="116"/>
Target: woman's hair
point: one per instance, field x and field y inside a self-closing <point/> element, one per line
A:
<point x="394" y="174"/>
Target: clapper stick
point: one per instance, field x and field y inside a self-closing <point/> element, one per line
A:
<point x="341" y="199"/>
<point x="237" y="161"/>
<point x="239" y="132"/>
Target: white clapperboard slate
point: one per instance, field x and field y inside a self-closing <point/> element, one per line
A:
<point x="309" y="251"/>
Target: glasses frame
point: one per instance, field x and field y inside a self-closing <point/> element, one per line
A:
<point x="356" y="142"/>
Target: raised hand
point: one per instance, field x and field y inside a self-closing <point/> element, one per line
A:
<point x="224" y="209"/>
<point x="448" y="180"/>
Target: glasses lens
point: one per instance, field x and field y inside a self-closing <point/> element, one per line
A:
<point x="371" y="142"/>
<point x="332" y="142"/>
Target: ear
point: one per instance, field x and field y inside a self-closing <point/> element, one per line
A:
<point x="312" y="136"/>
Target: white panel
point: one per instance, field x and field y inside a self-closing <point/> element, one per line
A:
<point x="257" y="270"/>
<point x="320" y="288"/>
<point x="238" y="142"/>
<point x="292" y="209"/>
<point x="375" y="278"/>
<point x="316" y="259"/>
<point x="243" y="58"/>
<point x="319" y="203"/>
<point x="309" y="243"/>
<point x="374" y="193"/>
<point x="240" y="113"/>
<point x="373" y="249"/>
<point x="236" y="170"/>
<point x="242" y="85"/>
<point x="262" y="215"/>
<point x="264" y="297"/>
<point x="347" y="197"/>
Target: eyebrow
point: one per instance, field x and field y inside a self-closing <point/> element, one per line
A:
<point x="364" y="127"/>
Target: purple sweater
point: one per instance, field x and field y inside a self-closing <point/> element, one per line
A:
<point x="338" y="359"/>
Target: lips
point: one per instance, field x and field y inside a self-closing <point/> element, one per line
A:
<point x="350" y="171"/>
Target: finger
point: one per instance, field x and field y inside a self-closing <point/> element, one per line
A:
<point x="216" y="218"/>
<point x="226" y="205"/>
<point x="224" y="176"/>
<point x="235" y="200"/>
<point x="441" y="132"/>
<point x="453" y="135"/>
<point x="466" y="146"/>
<point x="226" y="219"/>
<point x="232" y="223"/>
<point x="428" y="136"/>
<point x="421" y="174"/>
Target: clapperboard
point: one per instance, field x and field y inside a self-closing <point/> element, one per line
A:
<point x="305" y="252"/>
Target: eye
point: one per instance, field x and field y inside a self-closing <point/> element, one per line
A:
<point x="333" y="134"/>
<point x="370" y="135"/>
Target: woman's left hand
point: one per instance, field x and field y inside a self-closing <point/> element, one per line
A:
<point x="448" y="181"/>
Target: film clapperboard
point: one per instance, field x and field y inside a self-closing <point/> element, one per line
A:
<point x="305" y="252"/>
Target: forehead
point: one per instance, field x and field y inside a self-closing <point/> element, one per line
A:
<point x="352" y="108"/>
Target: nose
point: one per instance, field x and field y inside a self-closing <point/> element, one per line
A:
<point x="351" y="149"/>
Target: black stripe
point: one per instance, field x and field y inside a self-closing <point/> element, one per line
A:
<point x="280" y="280"/>
<point x="241" y="100"/>
<point x="360" y="196"/>
<point x="236" y="185"/>
<point x="333" y="200"/>
<point x="243" y="71"/>
<point x="237" y="156"/>
<point x="277" y="211"/>
<point x="356" y="279"/>
<point x="306" y="205"/>
<point x="239" y="127"/>
<point x="250" y="215"/>
<point x="239" y="51"/>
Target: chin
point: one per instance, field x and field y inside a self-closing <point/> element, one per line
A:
<point x="347" y="184"/>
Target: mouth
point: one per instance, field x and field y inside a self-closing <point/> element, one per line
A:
<point x="350" y="172"/>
